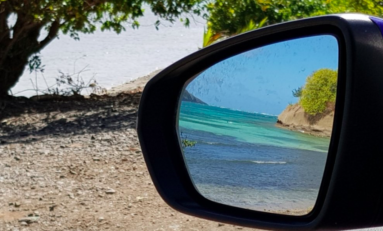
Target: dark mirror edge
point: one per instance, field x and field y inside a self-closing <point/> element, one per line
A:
<point x="177" y="76"/>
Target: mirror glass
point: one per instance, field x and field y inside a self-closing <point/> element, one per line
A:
<point x="255" y="128"/>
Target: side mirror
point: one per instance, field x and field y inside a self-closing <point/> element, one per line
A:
<point x="255" y="128"/>
<point x="277" y="128"/>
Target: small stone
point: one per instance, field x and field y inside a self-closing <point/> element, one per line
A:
<point x="139" y="199"/>
<point x="29" y="220"/>
<point x="110" y="191"/>
<point x="73" y="172"/>
<point x="17" y="204"/>
<point x="100" y="219"/>
<point x="52" y="207"/>
<point x="107" y="138"/>
<point x="23" y="223"/>
<point x="220" y="224"/>
<point x="7" y="165"/>
<point x="96" y="159"/>
<point x="17" y="158"/>
<point x="44" y="152"/>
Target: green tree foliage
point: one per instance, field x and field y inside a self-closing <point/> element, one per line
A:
<point x="20" y="41"/>
<point x="370" y="7"/>
<point x="297" y="92"/>
<point x="231" y="17"/>
<point x="319" y="90"/>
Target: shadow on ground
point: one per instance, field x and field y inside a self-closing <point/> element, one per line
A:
<point x="25" y="120"/>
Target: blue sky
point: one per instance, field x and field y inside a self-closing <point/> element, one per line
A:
<point x="261" y="80"/>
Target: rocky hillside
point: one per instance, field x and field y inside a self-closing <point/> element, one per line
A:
<point x="187" y="96"/>
<point x="294" y="118"/>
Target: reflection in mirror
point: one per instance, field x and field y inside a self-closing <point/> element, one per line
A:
<point x="255" y="128"/>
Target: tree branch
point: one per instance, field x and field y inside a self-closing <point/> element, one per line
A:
<point x="4" y="14"/>
<point x="18" y="36"/>
<point x="53" y="30"/>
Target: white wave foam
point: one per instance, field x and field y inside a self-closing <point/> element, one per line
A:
<point x="268" y="162"/>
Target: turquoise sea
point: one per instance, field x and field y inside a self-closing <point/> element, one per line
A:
<point x="244" y="160"/>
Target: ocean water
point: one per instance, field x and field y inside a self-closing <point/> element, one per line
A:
<point x="244" y="160"/>
<point x="112" y="59"/>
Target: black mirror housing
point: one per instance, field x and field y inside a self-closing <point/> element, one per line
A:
<point x="351" y="192"/>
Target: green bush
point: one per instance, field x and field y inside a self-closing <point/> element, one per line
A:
<point x="319" y="90"/>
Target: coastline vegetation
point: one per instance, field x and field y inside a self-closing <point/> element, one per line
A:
<point x="318" y="92"/>
<point x="67" y="84"/>
<point x="313" y="114"/>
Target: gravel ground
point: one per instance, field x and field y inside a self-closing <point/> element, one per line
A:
<point x="77" y="165"/>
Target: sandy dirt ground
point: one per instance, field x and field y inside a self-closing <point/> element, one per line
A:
<point x="77" y="165"/>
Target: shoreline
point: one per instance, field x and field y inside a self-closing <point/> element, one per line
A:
<point x="303" y="130"/>
<point x="133" y="86"/>
<point x="294" y="118"/>
<point x="136" y="84"/>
